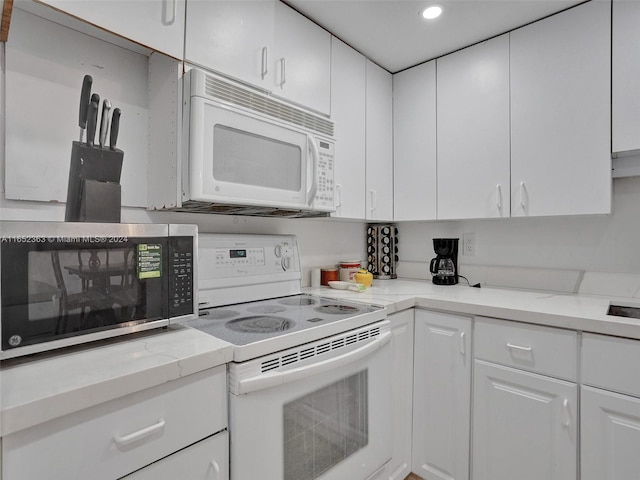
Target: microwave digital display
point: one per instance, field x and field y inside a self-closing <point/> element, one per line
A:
<point x="238" y="254"/>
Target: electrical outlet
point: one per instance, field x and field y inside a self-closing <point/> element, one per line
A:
<point x="469" y="244"/>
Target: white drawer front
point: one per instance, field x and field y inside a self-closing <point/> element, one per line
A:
<point x="118" y="437"/>
<point x="544" y="350"/>
<point x="611" y="363"/>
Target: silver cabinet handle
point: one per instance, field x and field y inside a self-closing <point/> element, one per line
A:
<point x="566" y="416"/>
<point x="283" y="72"/>
<point x="518" y="347"/>
<point x="462" y="344"/>
<point x="263" y="69"/>
<point x="373" y="200"/>
<point x="165" y="12"/>
<point x="499" y="196"/>
<point x="216" y="469"/>
<point x="522" y="194"/>
<point x="122" y="441"/>
<point x="338" y="195"/>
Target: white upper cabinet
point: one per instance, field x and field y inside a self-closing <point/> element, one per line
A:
<point x="379" y="144"/>
<point x="263" y="43"/>
<point x="414" y="143"/>
<point x="473" y="132"/>
<point x="234" y="38"/>
<point x="157" y="24"/>
<point x="303" y="60"/>
<point x="348" y="71"/>
<point x="560" y="114"/>
<point x="626" y="72"/>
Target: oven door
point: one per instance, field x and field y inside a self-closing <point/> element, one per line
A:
<point x="322" y="414"/>
<point x="237" y="157"/>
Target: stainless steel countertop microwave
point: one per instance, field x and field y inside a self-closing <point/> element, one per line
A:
<point x="64" y="284"/>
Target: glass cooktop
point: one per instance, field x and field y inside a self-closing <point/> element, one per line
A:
<point x="246" y="323"/>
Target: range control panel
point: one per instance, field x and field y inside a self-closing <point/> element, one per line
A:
<point x="224" y="256"/>
<point x="239" y="257"/>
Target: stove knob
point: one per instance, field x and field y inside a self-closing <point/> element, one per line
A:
<point x="286" y="263"/>
<point x="278" y="251"/>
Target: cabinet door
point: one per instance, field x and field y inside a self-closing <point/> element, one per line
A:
<point x="379" y="146"/>
<point x="414" y="143"/>
<point x="347" y="112"/>
<point x="402" y="393"/>
<point x="206" y="460"/>
<point x="473" y="132"/>
<point x="610" y="435"/>
<point x="158" y="25"/>
<point x="524" y="425"/>
<point x="233" y="38"/>
<point x="441" y="396"/>
<point x="302" y="63"/>
<point x="560" y="113"/>
<point x="625" y="75"/>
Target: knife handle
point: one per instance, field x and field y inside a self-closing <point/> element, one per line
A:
<point x="95" y="98"/>
<point x="115" y="126"/>
<point x="104" y="122"/>
<point x="92" y="120"/>
<point x="84" y="103"/>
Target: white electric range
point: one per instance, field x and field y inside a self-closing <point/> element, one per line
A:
<point x="309" y="385"/>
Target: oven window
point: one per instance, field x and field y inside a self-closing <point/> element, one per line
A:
<point x="245" y="158"/>
<point x="325" y="427"/>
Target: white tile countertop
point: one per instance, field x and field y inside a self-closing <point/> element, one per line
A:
<point x="578" y="312"/>
<point x="47" y="386"/>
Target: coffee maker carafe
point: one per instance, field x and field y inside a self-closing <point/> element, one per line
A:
<point x="444" y="268"/>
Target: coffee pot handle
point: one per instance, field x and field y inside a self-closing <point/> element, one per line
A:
<point x="432" y="267"/>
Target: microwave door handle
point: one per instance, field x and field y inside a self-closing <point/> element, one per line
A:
<point x="315" y="154"/>
<point x="273" y="378"/>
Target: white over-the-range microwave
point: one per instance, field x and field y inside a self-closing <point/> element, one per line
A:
<point x="247" y="152"/>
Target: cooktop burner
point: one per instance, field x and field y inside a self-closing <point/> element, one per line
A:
<point x="260" y="324"/>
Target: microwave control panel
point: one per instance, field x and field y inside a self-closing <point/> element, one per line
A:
<point x="181" y="276"/>
<point x="324" y="194"/>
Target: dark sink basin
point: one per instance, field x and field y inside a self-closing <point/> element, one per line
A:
<point x="624" y="311"/>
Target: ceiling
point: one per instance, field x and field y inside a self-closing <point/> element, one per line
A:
<point x="393" y="34"/>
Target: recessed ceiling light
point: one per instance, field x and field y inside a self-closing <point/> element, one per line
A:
<point x="432" y="11"/>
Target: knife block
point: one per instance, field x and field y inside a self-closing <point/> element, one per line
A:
<point x="93" y="191"/>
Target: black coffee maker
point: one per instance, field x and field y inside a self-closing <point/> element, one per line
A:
<point x="444" y="268"/>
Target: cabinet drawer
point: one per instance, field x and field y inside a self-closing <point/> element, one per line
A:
<point x="545" y="350"/>
<point x="123" y="435"/>
<point x="611" y="363"/>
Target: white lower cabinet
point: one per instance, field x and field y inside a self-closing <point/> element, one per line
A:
<point x="610" y="435"/>
<point x="525" y="425"/>
<point x="610" y="408"/>
<point x="151" y="428"/>
<point x="402" y="393"/>
<point x="441" y="396"/>
<point x="525" y="420"/>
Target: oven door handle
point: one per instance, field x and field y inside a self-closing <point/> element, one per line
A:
<point x="274" y="378"/>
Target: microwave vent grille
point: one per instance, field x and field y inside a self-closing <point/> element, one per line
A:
<point x="258" y="102"/>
